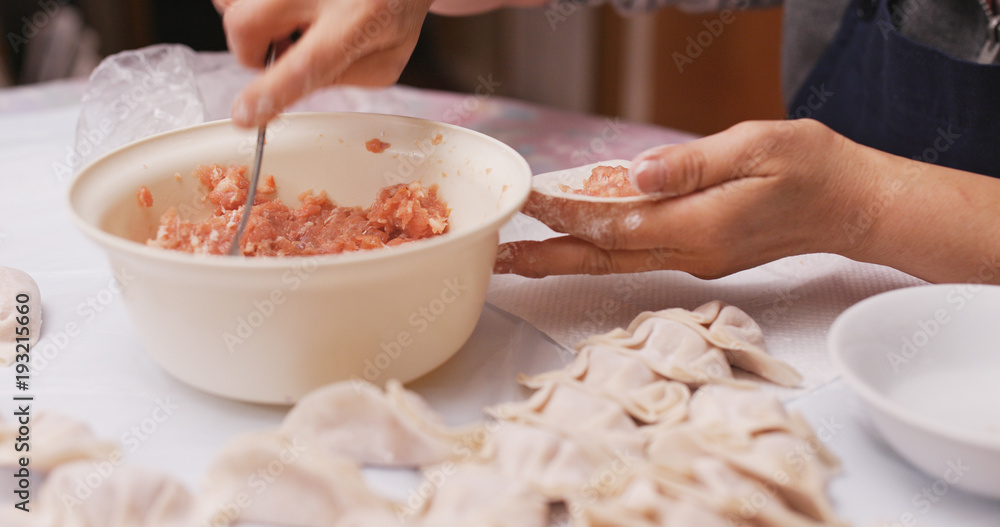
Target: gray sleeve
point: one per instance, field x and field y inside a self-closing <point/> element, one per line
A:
<point x="689" y="6"/>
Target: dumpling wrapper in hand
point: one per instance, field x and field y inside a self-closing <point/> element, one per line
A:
<point x="275" y="479"/>
<point x="572" y="409"/>
<point x="395" y="428"/>
<point x="56" y="439"/>
<point x="625" y="379"/>
<point x="475" y="495"/>
<point x="130" y="496"/>
<point x="13" y="283"/>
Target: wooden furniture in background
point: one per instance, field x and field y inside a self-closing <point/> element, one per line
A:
<point x="703" y="73"/>
<point x="598" y="61"/>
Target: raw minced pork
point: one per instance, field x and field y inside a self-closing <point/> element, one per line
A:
<point x="400" y="213"/>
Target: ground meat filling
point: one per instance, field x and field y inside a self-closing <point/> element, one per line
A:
<point x="376" y="146"/>
<point x="400" y="214"/>
<point x="144" y="196"/>
<point x="605" y="182"/>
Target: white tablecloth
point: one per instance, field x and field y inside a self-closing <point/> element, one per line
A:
<point x="96" y="370"/>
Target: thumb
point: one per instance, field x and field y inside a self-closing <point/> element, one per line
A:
<point x="676" y="170"/>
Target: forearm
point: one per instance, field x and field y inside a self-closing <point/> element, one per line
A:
<point x="936" y="223"/>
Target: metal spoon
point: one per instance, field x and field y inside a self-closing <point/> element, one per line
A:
<point x="234" y="249"/>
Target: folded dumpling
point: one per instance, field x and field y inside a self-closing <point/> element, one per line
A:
<point x="737" y="413"/>
<point x="601" y="367"/>
<point x="662" y="402"/>
<point x="722" y="327"/>
<point x="742" y="500"/>
<point x="625" y="379"/>
<point x="77" y="495"/>
<point x="643" y="503"/>
<point x="475" y="495"/>
<point x="55" y="439"/>
<point x="743" y="342"/>
<point x="20" y="315"/>
<point x="702" y="315"/>
<point x="795" y="468"/>
<point x="394" y="428"/>
<point x="671" y="349"/>
<point x="792" y="466"/>
<point x="573" y="409"/>
<point x="550" y="463"/>
<point x="280" y="479"/>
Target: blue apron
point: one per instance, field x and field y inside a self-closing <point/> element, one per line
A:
<point x="882" y="89"/>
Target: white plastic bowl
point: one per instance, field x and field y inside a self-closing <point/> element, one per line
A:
<point x="926" y="361"/>
<point x="272" y="329"/>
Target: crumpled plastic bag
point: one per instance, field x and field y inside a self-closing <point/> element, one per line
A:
<point x="139" y="93"/>
<point x="135" y="94"/>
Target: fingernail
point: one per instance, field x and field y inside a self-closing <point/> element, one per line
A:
<point x="241" y="113"/>
<point x="650" y="176"/>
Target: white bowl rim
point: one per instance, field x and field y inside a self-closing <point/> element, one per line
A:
<point x="137" y="249"/>
<point x="887" y="405"/>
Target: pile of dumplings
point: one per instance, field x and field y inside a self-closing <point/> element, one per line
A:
<point x="647" y="426"/>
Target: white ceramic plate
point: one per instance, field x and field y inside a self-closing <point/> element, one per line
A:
<point x="926" y="362"/>
<point x="550" y="183"/>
